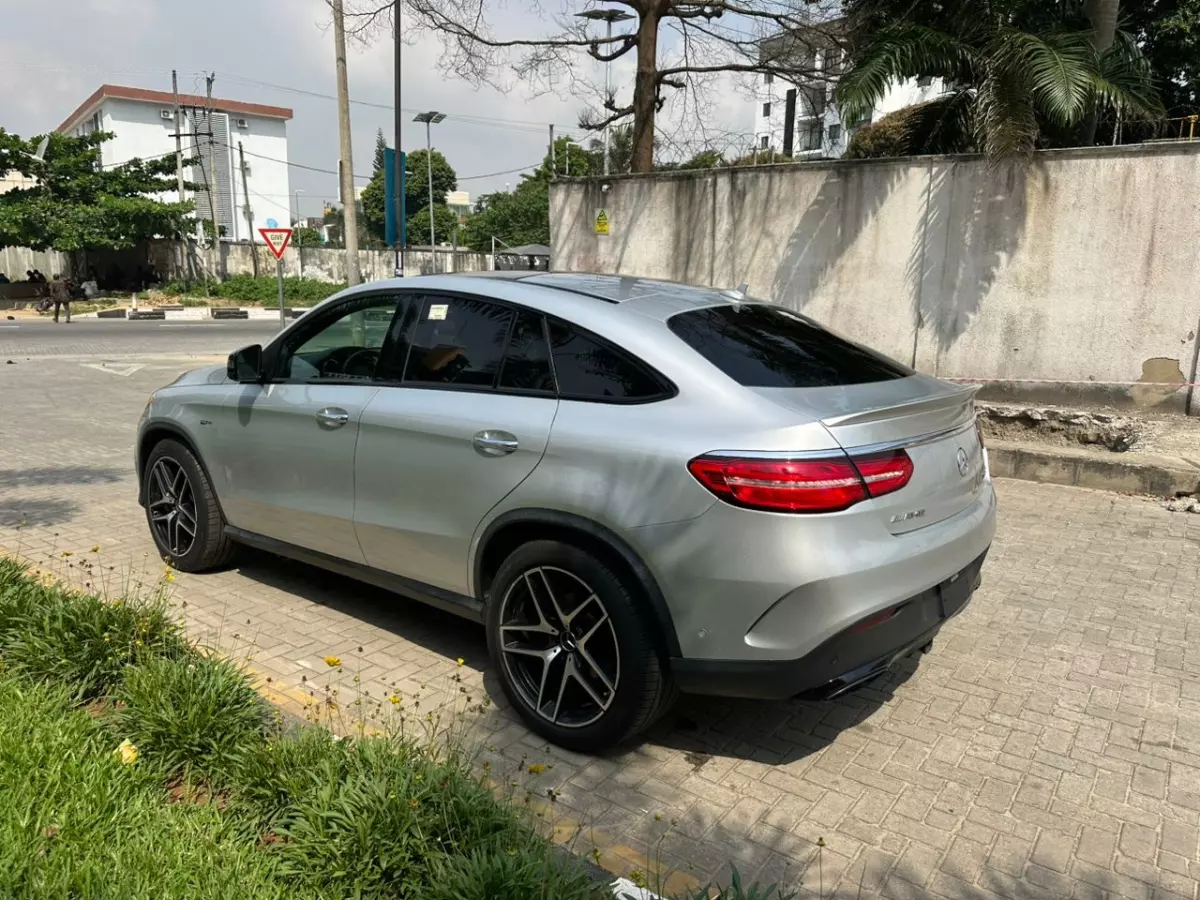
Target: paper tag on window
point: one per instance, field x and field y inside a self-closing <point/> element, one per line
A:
<point x="437" y="311"/>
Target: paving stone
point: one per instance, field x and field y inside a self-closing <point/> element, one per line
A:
<point x="1050" y="742"/>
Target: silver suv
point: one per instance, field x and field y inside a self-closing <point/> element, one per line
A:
<point x="639" y="487"/>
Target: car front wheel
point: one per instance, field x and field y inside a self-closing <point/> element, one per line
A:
<point x="573" y="648"/>
<point x="181" y="510"/>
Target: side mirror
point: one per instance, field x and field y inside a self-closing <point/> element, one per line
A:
<point x="246" y="365"/>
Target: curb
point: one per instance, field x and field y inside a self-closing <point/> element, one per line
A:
<point x="1159" y="476"/>
<point x="193" y="314"/>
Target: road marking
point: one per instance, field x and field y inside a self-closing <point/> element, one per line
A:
<point x="10" y="326"/>
<point x="197" y="325"/>
<point x="123" y="371"/>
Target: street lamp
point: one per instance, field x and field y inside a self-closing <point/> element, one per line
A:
<point x="296" y="193"/>
<point x="608" y="16"/>
<point x="429" y="118"/>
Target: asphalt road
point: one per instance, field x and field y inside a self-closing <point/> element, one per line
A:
<point x="28" y="338"/>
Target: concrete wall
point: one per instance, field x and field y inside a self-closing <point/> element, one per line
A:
<point x="16" y="261"/>
<point x="1067" y="277"/>
<point x="317" y="262"/>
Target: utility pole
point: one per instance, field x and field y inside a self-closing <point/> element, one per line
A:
<point x="179" y="165"/>
<point x="346" y="170"/>
<point x="178" y="134"/>
<point x="399" y="271"/>
<point x="608" y="16"/>
<point x="553" y="156"/>
<point x="246" y="209"/>
<point x="212" y="180"/>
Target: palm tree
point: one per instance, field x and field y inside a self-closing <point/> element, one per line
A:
<point x="1009" y="87"/>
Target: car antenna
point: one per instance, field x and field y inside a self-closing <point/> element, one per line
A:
<point x="738" y="294"/>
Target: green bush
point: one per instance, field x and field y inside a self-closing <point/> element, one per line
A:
<point x="198" y="716"/>
<point x="937" y="127"/>
<point x="530" y="874"/>
<point x="262" y="290"/>
<point x="48" y="632"/>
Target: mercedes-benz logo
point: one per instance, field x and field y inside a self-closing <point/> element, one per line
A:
<point x="964" y="462"/>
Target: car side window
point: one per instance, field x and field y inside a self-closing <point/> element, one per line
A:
<point x="346" y="348"/>
<point x="458" y="341"/>
<point x="588" y="369"/>
<point x="526" y="364"/>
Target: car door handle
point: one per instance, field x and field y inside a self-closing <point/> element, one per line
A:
<point x="333" y="417"/>
<point x="494" y="443"/>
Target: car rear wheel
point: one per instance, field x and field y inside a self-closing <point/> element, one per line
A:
<point x="181" y="510"/>
<point x="574" y="652"/>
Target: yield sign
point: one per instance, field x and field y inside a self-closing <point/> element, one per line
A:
<point x="277" y="239"/>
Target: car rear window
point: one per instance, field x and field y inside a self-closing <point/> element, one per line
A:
<point x="758" y="345"/>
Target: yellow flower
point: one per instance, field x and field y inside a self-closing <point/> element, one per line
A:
<point x="461" y="661"/>
<point x="127" y="752"/>
<point x="536" y="769"/>
<point x="169" y="577"/>
<point x="394" y="700"/>
<point x="333" y="661"/>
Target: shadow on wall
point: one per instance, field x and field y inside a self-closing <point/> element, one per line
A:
<point x="829" y="227"/>
<point x="972" y="219"/>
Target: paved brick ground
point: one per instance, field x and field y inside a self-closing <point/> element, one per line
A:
<point x="1048" y="747"/>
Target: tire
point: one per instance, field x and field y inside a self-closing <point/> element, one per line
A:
<point x="189" y="496"/>
<point x="535" y="655"/>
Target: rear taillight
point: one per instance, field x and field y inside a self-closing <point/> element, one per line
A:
<point x="802" y="485"/>
<point x="885" y="472"/>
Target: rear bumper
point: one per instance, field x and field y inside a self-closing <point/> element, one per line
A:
<point x="847" y="660"/>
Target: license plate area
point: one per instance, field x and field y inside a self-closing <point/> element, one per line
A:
<point x="955" y="591"/>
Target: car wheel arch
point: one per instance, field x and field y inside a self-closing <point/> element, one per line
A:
<point x="153" y="434"/>
<point x="519" y="526"/>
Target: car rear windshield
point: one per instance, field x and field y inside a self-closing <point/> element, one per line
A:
<point x="759" y="345"/>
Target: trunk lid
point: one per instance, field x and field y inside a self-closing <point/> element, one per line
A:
<point x="933" y="421"/>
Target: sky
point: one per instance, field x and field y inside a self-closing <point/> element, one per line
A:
<point x="62" y="50"/>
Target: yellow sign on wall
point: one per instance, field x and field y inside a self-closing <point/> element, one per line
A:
<point x="601" y="221"/>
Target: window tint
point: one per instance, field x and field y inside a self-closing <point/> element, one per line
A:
<point x="346" y="348"/>
<point x="527" y="362"/>
<point x="765" y="346"/>
<point x="589" y="370"/>
<point x="457" y="341"/>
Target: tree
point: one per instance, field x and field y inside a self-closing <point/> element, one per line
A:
<point x="704" y="39"/>
<point x="1023" y="73"/>
<point x="416" y="187"/>
<point x="380" y="152"/>
<point x="444" y="223"/>
<point x="75" y="204"/>
<point x="416" y="191"/>
<point x="307" y="237"/>
<point x="1168" y="33"/>
<point x="514" y="218"/>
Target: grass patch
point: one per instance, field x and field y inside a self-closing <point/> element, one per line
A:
<point x="198" y="716"/>
<point x="134" y="765"/>
<point x="51" y="633"/>
<point x="77" y="822"/>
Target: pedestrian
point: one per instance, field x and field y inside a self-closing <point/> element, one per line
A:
<point x="60" y="296"/>
<point x="39" y="277"/>
<point x="29" y="276"/>
<point x="3" y="278"/>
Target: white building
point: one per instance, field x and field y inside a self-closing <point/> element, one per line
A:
<point x="818" y="131"/>
<point x="143" y="123"/>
